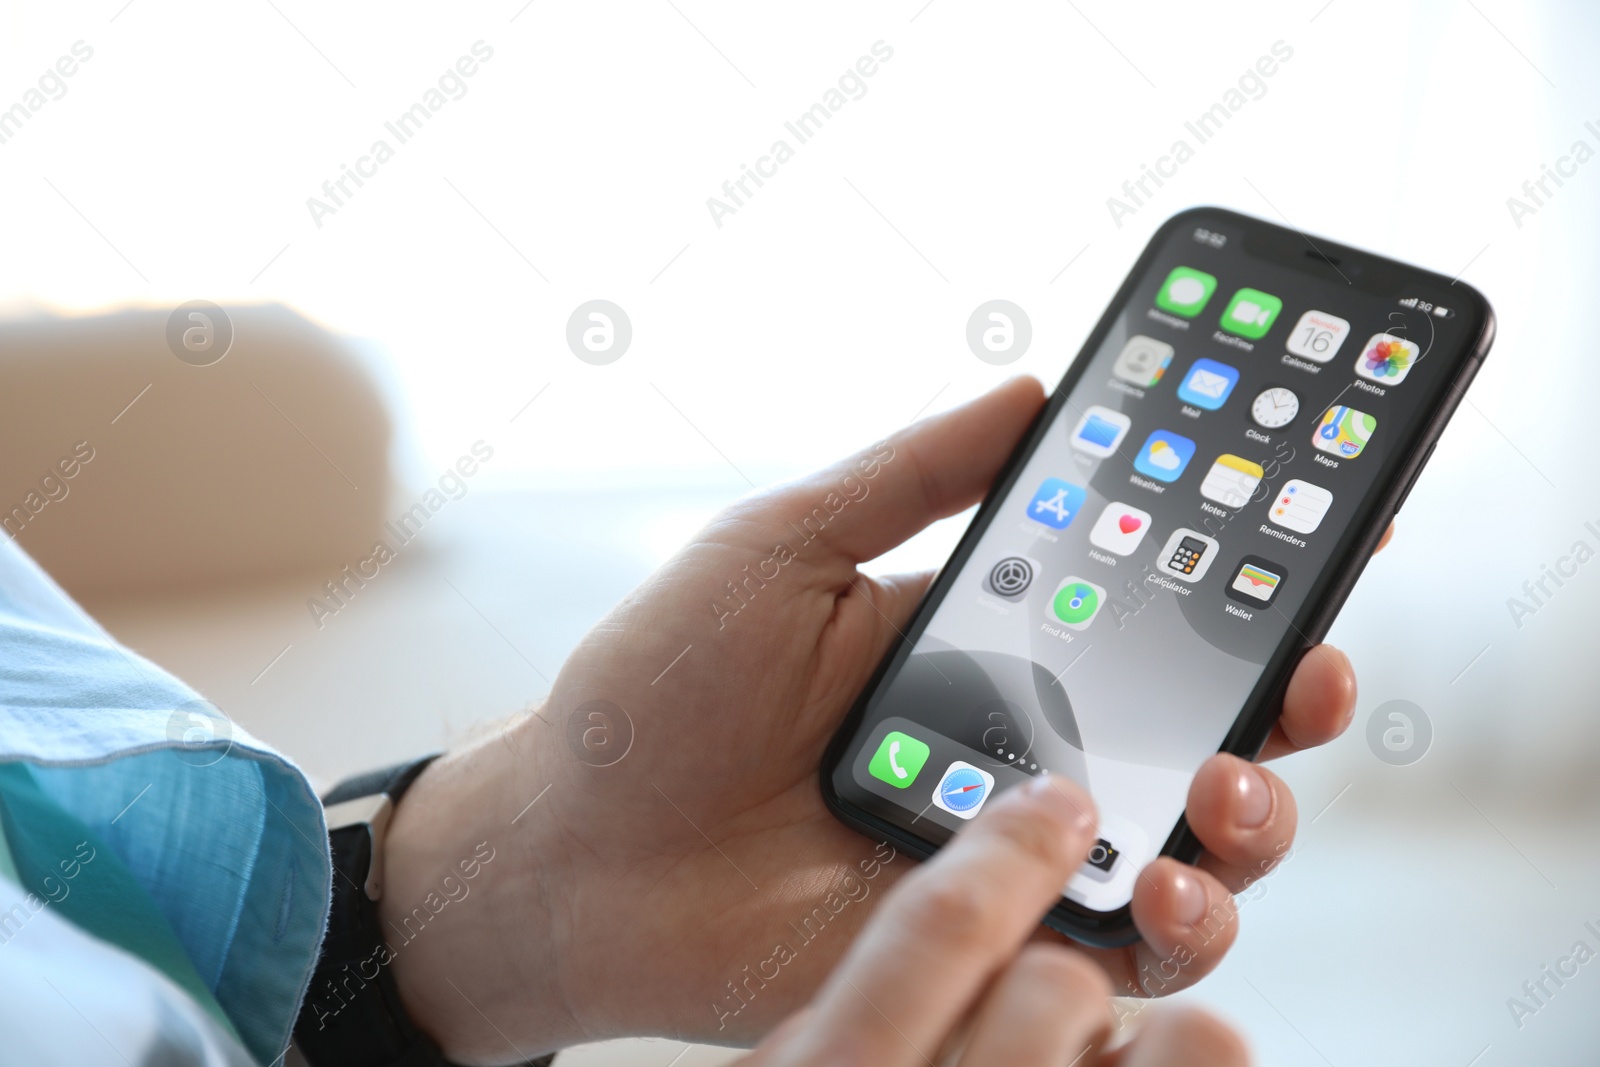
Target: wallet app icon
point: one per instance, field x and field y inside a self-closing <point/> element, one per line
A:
<point x="1256" y="582"/>
<point x="1208" y="385"/>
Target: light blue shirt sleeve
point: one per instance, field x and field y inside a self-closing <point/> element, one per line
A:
<point x="54" y="978"/>
<point x="224" y="834"/>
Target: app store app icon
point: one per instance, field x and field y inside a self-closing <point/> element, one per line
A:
<point x="1056" y="503"/>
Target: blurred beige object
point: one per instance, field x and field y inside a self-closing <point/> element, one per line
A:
<point x="125" y="468"/>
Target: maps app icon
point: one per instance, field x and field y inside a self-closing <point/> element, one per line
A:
<point x="1343" y="432"/>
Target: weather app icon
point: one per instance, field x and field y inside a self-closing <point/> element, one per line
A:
<point x="1164" y="456"/>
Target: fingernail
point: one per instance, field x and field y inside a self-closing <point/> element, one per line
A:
<point x="1255" y="798"/>
<point x="1066" y="799"/>
<point x="1189" y="899"/>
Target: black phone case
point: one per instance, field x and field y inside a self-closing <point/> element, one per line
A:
<point x="1254" y="724"/>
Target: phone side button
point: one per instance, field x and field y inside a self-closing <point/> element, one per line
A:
<point x="1414" y="476"/>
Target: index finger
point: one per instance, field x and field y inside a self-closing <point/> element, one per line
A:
<point x="947" y="929"/>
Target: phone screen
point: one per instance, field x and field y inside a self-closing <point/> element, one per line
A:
<point x="1134" y="585"/>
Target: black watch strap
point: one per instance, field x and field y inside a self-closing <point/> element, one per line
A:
<point x="352" y="1016"/>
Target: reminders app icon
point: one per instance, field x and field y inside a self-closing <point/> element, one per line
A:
<point x="1100" y="431"/>
<point x="1300" y="506"/>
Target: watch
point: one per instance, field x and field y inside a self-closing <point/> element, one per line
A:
<point x="352" y="1015"/>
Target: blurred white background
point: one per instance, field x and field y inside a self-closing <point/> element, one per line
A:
<point x="831" y="308"/>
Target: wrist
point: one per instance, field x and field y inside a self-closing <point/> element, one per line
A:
<point x="468" y="906"/>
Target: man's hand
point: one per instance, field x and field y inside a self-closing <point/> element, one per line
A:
<point x="697" y="887"/>
<point x="942" y="969"/>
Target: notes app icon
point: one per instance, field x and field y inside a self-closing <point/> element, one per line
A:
<point x="1232" y="481"/>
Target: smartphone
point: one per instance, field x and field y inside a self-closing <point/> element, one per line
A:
<point x="1177" y="528"/>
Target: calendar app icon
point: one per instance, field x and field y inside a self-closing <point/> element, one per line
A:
<point x="1318" y="335"/>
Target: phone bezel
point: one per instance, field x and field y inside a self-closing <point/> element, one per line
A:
<point x="1291" y="250"/>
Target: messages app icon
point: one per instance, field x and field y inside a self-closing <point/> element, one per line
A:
<point x="1186" y="291"/>
<point x="1164" y="456"/>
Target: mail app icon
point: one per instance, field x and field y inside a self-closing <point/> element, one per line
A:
<point x="1208" y="384"/>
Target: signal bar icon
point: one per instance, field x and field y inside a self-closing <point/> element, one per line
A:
<point x="1409" y="302"/>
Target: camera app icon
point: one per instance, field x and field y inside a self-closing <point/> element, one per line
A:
<point x="1103" y="858"/>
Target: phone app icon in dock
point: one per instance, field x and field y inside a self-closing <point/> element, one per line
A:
<point x="899" y="759"/>
<point x="1164" y="456"/>
<point x="963" y="789"/>
<point x="1186" y="291"/>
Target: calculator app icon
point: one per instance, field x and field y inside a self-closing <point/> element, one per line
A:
<point x="1187" y="555"/>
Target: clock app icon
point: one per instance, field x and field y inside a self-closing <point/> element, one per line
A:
<point x="1275" y="407"/>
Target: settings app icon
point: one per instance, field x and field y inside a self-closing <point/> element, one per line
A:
<point x="1011" y="577"/>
